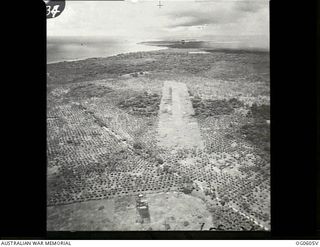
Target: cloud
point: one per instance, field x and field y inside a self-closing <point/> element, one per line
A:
<point x="215" y="14"/>
<point x="249" y="6"/>
<point x="196" y="18"/>
<point x="143" y="20"/>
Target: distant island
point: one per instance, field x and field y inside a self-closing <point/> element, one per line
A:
<point x="204" y="45"/>
<point x="177" y="44"/>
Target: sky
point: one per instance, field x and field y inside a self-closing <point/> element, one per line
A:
<point x="212" y="20"/>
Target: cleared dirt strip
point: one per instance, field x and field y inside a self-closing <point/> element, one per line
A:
<point x="177" y="126"/>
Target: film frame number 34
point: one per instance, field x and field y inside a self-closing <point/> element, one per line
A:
<point x="54" y="8"/>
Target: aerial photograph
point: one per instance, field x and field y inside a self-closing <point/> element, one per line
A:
<point x="158" y="116"/>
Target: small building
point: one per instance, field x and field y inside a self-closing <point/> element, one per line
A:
<point x="143" y="208"/>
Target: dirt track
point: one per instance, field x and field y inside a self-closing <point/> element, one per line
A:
<point x="177" y="126"/>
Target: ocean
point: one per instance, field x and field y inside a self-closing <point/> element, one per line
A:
<point x="76" y="48"/>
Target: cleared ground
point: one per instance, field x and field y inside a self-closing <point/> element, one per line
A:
<point x="112" y="126"/>
<point x="178" y="128"/>
<point x="168" y="211"/>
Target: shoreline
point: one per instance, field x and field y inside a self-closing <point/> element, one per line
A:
<point x="113" y="55"/>
<point x="191" y="50"/>
<point x="161" y="47"/>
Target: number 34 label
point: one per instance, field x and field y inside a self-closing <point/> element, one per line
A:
<point x="54" y="8"/>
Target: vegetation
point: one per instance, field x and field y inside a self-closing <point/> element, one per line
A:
<point x="258" y="131"/>
<point x="206" y="108"/>
<point x="102" y="131"/>
<point x="145" y="104"/>
<point x="88" y="91"/>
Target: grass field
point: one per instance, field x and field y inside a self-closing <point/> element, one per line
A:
<point x="103" y="146"/>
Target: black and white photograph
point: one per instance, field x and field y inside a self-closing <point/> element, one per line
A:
<point x="158" y="115"/>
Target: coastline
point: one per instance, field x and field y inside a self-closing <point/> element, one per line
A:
<point x="156" y="48"/>
<point x="168" y="61"/>
<point x="150" y="46"/>
<point x="163" y="48"/>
